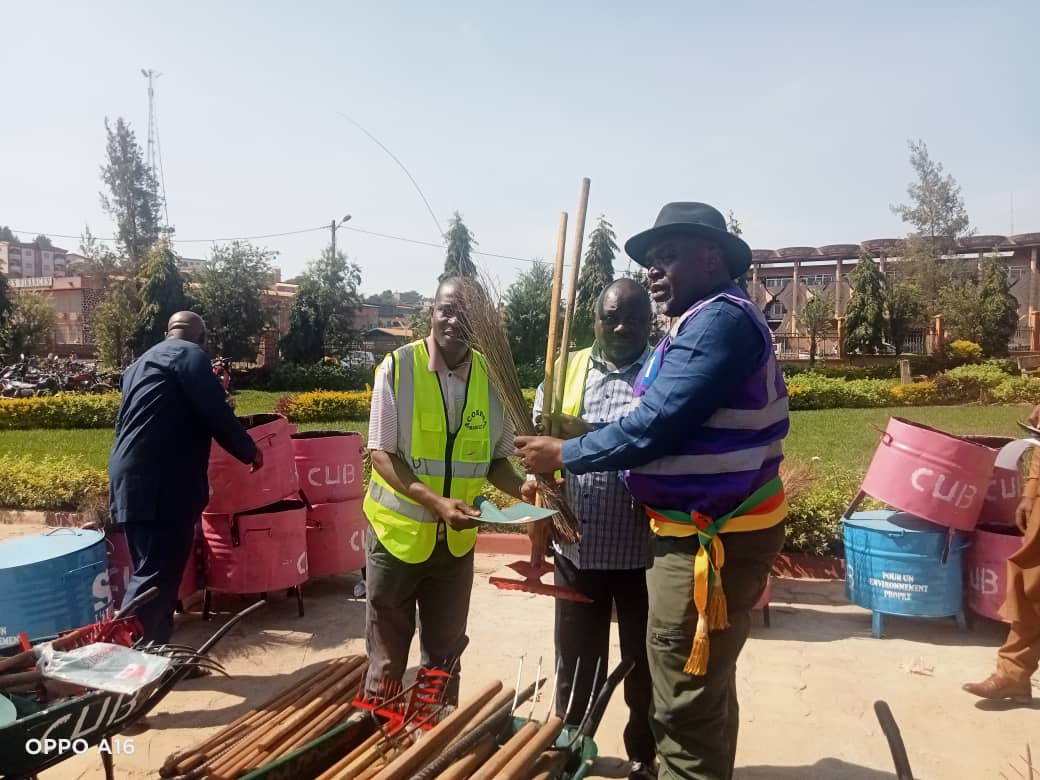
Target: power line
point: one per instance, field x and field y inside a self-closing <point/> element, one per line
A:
<point x="374" y="233"/>
<point x="188" y="240"/>
<point x="438" y="246"/>
<point x="381" y="145"/>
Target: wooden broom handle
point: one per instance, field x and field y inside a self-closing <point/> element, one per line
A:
<point x="572" y="291"/>
<point x="549" y="388"/>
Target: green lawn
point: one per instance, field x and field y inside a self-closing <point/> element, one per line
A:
<point x="842" y="439"/>
<point x="94" y="445"/>
<point x="845" y="439"/>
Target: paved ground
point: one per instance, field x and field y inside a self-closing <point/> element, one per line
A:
<point x="807" y="684"/>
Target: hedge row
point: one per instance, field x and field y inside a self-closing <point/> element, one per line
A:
<point x="54" y="483"/>
<point x="325" y="406"/>
<point x="329" y="406"/>
<point x="966" y="384"/>
<point x="920" y="365"/>
<point x="66" y="410"/>
<point x="319" y="376"/>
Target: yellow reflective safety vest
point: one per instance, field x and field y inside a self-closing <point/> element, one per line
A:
<point x="574" y="383"/>
<point x="452" y="465"/>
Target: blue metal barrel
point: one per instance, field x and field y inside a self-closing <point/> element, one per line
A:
<point x="899" y="564"/>
<point x="52" y="582"/>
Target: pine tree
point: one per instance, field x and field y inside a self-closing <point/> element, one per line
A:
<point x="527" y="304"/>
<point x="865" y="314"/>
<point x="162" y="294"/>
<point x="597" y="271"/>
<point x="133" y="194"/>
<point x="936" y="208"/>
<point x="458" y="260"/>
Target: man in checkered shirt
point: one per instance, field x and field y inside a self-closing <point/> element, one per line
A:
<point x="609" y="563"/>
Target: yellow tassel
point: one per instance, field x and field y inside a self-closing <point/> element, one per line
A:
<point x="697" y="662"/>
<point x="718" y="610"/>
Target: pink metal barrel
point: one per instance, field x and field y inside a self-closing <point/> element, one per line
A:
<point x="930" y="474"/>
<point x="256" y="552"/>
<point x="121" y="567"/>
<point x="336" y="538"/>
<point x="233" y="488"/>
<point x="986" y="567"/>
<point x="1005" y="486"/>
<point x="329" y="465"/>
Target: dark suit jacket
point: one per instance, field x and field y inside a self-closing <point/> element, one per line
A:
<point x="172" y="407"/>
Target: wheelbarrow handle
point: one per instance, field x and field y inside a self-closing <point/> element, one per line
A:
<point x="621" y="671"/>
<point x="895" y="740"/>
<point x="167" y="684"/>
<point x="141" y="598"/>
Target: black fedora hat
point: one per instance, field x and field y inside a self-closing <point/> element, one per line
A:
<point x="692" y="219"/>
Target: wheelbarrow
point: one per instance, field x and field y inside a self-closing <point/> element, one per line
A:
<point x="570" y="756"/>
<point x="42" y="736"/>
<point x="575" y="746"/>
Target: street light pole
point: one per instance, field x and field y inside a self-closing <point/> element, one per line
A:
<point x="333" y="226"/>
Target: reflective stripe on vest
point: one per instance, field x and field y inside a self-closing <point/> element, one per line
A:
<point x="774" y="411"/>
<point x="748" y="459"/>
<point x="574" y="383"/>
<point x="452" y="465"/>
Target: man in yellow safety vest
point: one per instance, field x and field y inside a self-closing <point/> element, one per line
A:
<point x="436" y="433"/>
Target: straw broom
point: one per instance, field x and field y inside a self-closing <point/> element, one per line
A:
<point x="485" y="331"/>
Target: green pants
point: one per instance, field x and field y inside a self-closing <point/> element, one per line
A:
<point x="695" y="719"/>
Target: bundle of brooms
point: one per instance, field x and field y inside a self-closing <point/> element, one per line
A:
<point x="291" y="719"/>
<point x="485" y="331"/>
<point x="462" y="745"/>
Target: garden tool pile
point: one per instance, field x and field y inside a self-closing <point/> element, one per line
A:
<point x="286" y="722"/>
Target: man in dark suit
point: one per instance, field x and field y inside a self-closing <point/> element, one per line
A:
<point x="172" y="407"/>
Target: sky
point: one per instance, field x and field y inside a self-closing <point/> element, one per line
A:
<point x="793" y="115"/>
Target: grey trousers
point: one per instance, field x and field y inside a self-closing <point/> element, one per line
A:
<point x="439" y="589"/>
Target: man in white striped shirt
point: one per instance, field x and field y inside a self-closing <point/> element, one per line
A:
<point x="437" y="429"/>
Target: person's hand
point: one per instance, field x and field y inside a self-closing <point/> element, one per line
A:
<point x="529" y="491"/>
<point x="567" y="426"/>
<point x="458" y="514"/>
<point x="258" y="461"/>
<point x="1022" y="513"/>
<point x="540" y="454"/>
<point x="538" y="532"/>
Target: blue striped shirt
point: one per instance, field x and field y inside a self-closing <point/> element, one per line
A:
<point x="615" y="529"/>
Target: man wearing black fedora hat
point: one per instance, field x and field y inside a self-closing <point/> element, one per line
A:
<point x="702" y="450"/>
